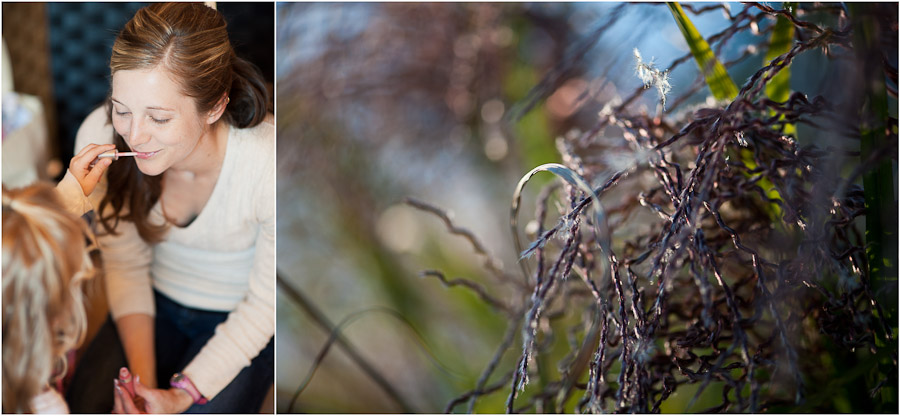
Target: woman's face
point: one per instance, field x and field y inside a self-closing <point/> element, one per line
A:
<point x="154" y="117"/>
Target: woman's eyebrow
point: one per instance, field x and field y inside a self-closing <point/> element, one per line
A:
<point x="149" y="108"/>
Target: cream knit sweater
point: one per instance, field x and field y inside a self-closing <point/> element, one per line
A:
<point x="223" y="261"/>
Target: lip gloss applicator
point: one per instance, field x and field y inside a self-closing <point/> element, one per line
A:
<point x="115" y="154"/>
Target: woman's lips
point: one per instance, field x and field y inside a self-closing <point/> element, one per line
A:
<point x="146" y="155"/>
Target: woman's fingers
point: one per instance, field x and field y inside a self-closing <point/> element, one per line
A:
<point x="129" y="406"/>
<point x="88" y="176"/>
<point x="117" y="398"/>
<point x="126" y="400"/>
<point x="140" y="392"/>
<point x="96" y="172"/>
<point x="90" y="152"/>
<point x="93" y="149"/>
<point x="139" y="388"/>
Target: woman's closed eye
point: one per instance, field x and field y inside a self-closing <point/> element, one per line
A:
<point x="160" y="121"/>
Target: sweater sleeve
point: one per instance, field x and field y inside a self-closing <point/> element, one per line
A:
<point x="251" y="325"/>
<point x="93" y="130"/>
<point x="126" y="257"/>
<point x="126" y="260"/>
<point x="72" y="195"/>
<point x="49" y="402"/>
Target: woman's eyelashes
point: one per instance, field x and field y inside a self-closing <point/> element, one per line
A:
<point x="154" y="119"/>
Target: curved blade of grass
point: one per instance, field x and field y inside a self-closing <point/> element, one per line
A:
<point x="319" y="318"/>
<point x="601" y="229"/>
<point x="720" y="84"/>
<point x="341" y="326"/>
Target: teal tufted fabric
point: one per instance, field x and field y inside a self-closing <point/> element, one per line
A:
<point x="81" y="38"/>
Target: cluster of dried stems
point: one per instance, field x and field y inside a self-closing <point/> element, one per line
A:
<point x="726" y="283"/>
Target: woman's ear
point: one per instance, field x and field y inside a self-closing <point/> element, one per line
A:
<point x="216" y="113"/>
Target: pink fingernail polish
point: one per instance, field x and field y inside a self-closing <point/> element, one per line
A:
<point x="126" y="380"/>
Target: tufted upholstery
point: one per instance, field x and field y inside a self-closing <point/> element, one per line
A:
<point x="81" y="38"/>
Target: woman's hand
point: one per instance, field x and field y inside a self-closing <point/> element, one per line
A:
<point x="169" y="401"/>
<point x="88" y="176"/>
<point x="124" y="402"/>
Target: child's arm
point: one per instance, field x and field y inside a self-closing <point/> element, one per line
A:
<point x="82" y="178"/>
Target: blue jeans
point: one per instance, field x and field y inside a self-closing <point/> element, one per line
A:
<point x="180" y="334"/>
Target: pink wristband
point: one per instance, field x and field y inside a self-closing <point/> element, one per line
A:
<point x="182" y="381"/>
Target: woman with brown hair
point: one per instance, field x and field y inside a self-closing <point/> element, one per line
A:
<point x="189" y="222"/>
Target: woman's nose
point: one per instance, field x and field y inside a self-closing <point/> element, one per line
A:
<point x="137" y="135"/>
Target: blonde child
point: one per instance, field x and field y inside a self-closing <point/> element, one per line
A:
<point x="45" y="262"/>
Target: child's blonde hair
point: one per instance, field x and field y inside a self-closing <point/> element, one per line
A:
<point x="45" y="262"/>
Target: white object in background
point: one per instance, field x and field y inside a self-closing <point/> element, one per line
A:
<point x="25" y="147"/>
<point x="15" y="115"/>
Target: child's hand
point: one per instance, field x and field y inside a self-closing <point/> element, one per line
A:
<point x="88" y="176"/>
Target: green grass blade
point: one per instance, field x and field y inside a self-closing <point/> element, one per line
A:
<point x="722" y="87"/>
<point x="878" y="183"/>
<point x="779" y="88"/>
<point x="717" y="78"/>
